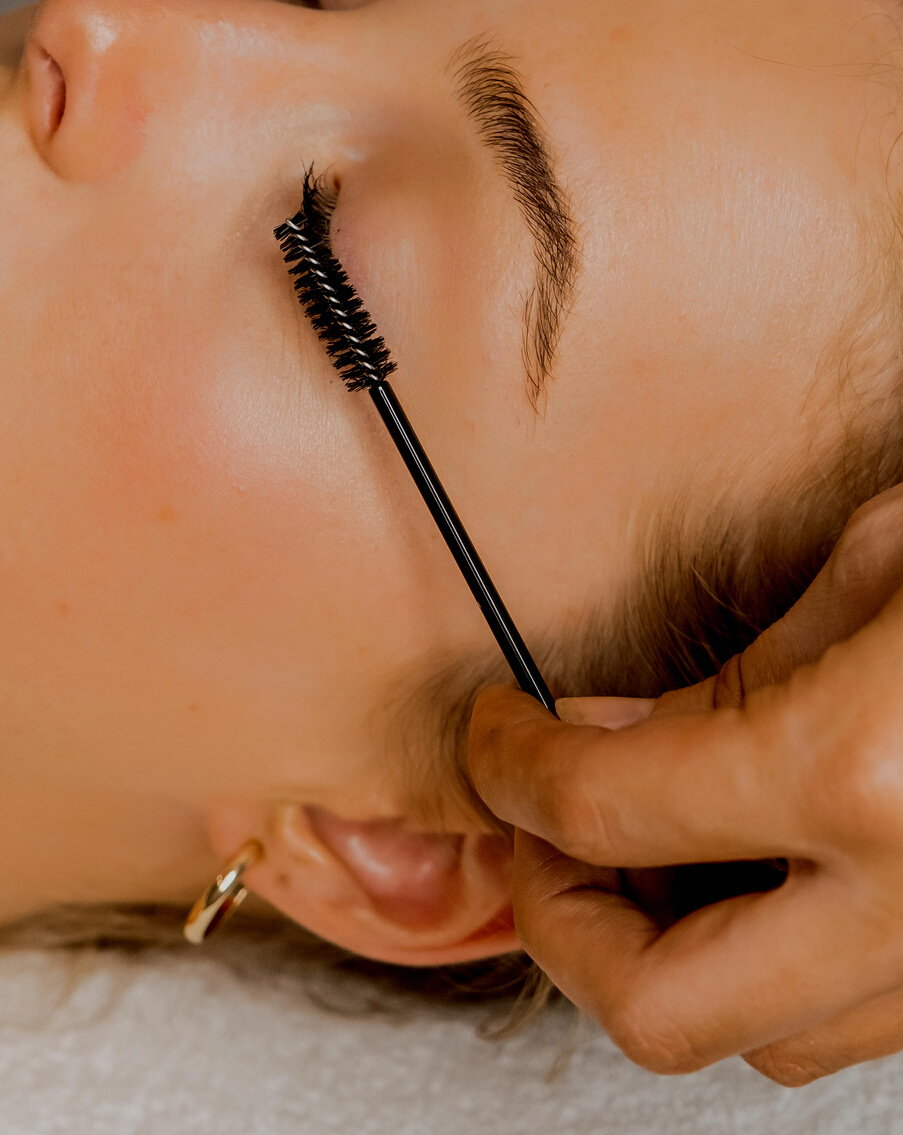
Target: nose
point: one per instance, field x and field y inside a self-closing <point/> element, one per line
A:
<point x="108" y="79"/>
<point x="85" y="104"/>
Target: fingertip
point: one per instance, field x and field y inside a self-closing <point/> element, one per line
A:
<point x="505" y="705"/>
<point x="499" y="712"/>
<point x="609" y="713"/>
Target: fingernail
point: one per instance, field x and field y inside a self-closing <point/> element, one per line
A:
<point x="610" y="713"/>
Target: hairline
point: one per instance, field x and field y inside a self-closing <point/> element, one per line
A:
<point x="705" y="589"/>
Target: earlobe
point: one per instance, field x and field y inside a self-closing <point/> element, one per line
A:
<point x="379" y="887"/>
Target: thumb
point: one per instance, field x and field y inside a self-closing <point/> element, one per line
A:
<point x="862" y="574"/>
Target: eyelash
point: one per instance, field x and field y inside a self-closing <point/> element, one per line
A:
<point x="329" y="299"/>
<point x="320" y="200"/>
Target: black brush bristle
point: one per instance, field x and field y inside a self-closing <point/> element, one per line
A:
<point x="334" y="308"/>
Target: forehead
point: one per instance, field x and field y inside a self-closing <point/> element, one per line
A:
<point x="661" y="86"/>
<point x="718" y="159"/>
<point x="708" y="149"/>
<point x="658" y="89"/>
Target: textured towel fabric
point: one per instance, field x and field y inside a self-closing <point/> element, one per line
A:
<point x="178" y="1045"/>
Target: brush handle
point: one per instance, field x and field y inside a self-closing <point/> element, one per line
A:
<point x="453" y="531"/>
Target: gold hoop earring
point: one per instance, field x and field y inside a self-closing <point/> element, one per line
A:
<point x="222" y="898"/>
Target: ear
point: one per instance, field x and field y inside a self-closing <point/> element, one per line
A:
<point x="378" y="887"/>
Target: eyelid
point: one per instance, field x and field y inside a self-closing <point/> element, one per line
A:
<point x="333" y="5"/>
<point x="342" y="5"/>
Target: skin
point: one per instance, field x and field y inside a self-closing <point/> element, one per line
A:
<point x="792" y="751"/>
<point x="215" y="573"/>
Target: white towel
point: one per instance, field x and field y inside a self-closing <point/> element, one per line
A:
<point x="181" y="1045"/>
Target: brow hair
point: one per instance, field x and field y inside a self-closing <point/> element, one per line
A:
<point x="493" y="96"/>
<point x="703" y="591"/>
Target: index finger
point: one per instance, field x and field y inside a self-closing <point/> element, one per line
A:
<point x="684" y="789"/>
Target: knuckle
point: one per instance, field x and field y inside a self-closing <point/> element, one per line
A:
<point x="584" y="832"/>
<point x="566" y="817"/>
<point x="642" y="1031"/>
<point x="871" y="537"/>
<point x="568" y="808"/>
<point x="860" y="791"/>
<point x="855" y="547"/>
<point x="789" y="1069"/>
<point x="848" y="776"/>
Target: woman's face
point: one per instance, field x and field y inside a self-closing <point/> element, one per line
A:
<point x="216" y="575"/>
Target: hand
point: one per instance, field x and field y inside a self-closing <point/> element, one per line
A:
<point x="794" y="752"/>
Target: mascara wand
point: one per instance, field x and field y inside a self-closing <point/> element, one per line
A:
<point x="362" y="358"/>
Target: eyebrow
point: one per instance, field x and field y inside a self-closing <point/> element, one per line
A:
<point x="493" y="96"/>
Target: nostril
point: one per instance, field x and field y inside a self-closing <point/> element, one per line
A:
<point x="56" y="93"/>
<point x="50" y="84"/>
<point x="81" y="87"/>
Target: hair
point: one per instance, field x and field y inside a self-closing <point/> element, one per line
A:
<point x="258" y="945"/>
<point x="701" y="602"/>
<point x="494" y="97"/>
<point x="699" y="606"/>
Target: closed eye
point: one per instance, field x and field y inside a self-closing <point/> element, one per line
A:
<point x="332" y="5"/>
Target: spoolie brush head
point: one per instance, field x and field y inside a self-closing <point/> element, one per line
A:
<point x="342" y="323"/>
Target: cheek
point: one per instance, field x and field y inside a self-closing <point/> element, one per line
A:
<point x="193" y="523"/>
<point x="230" y="464"/>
